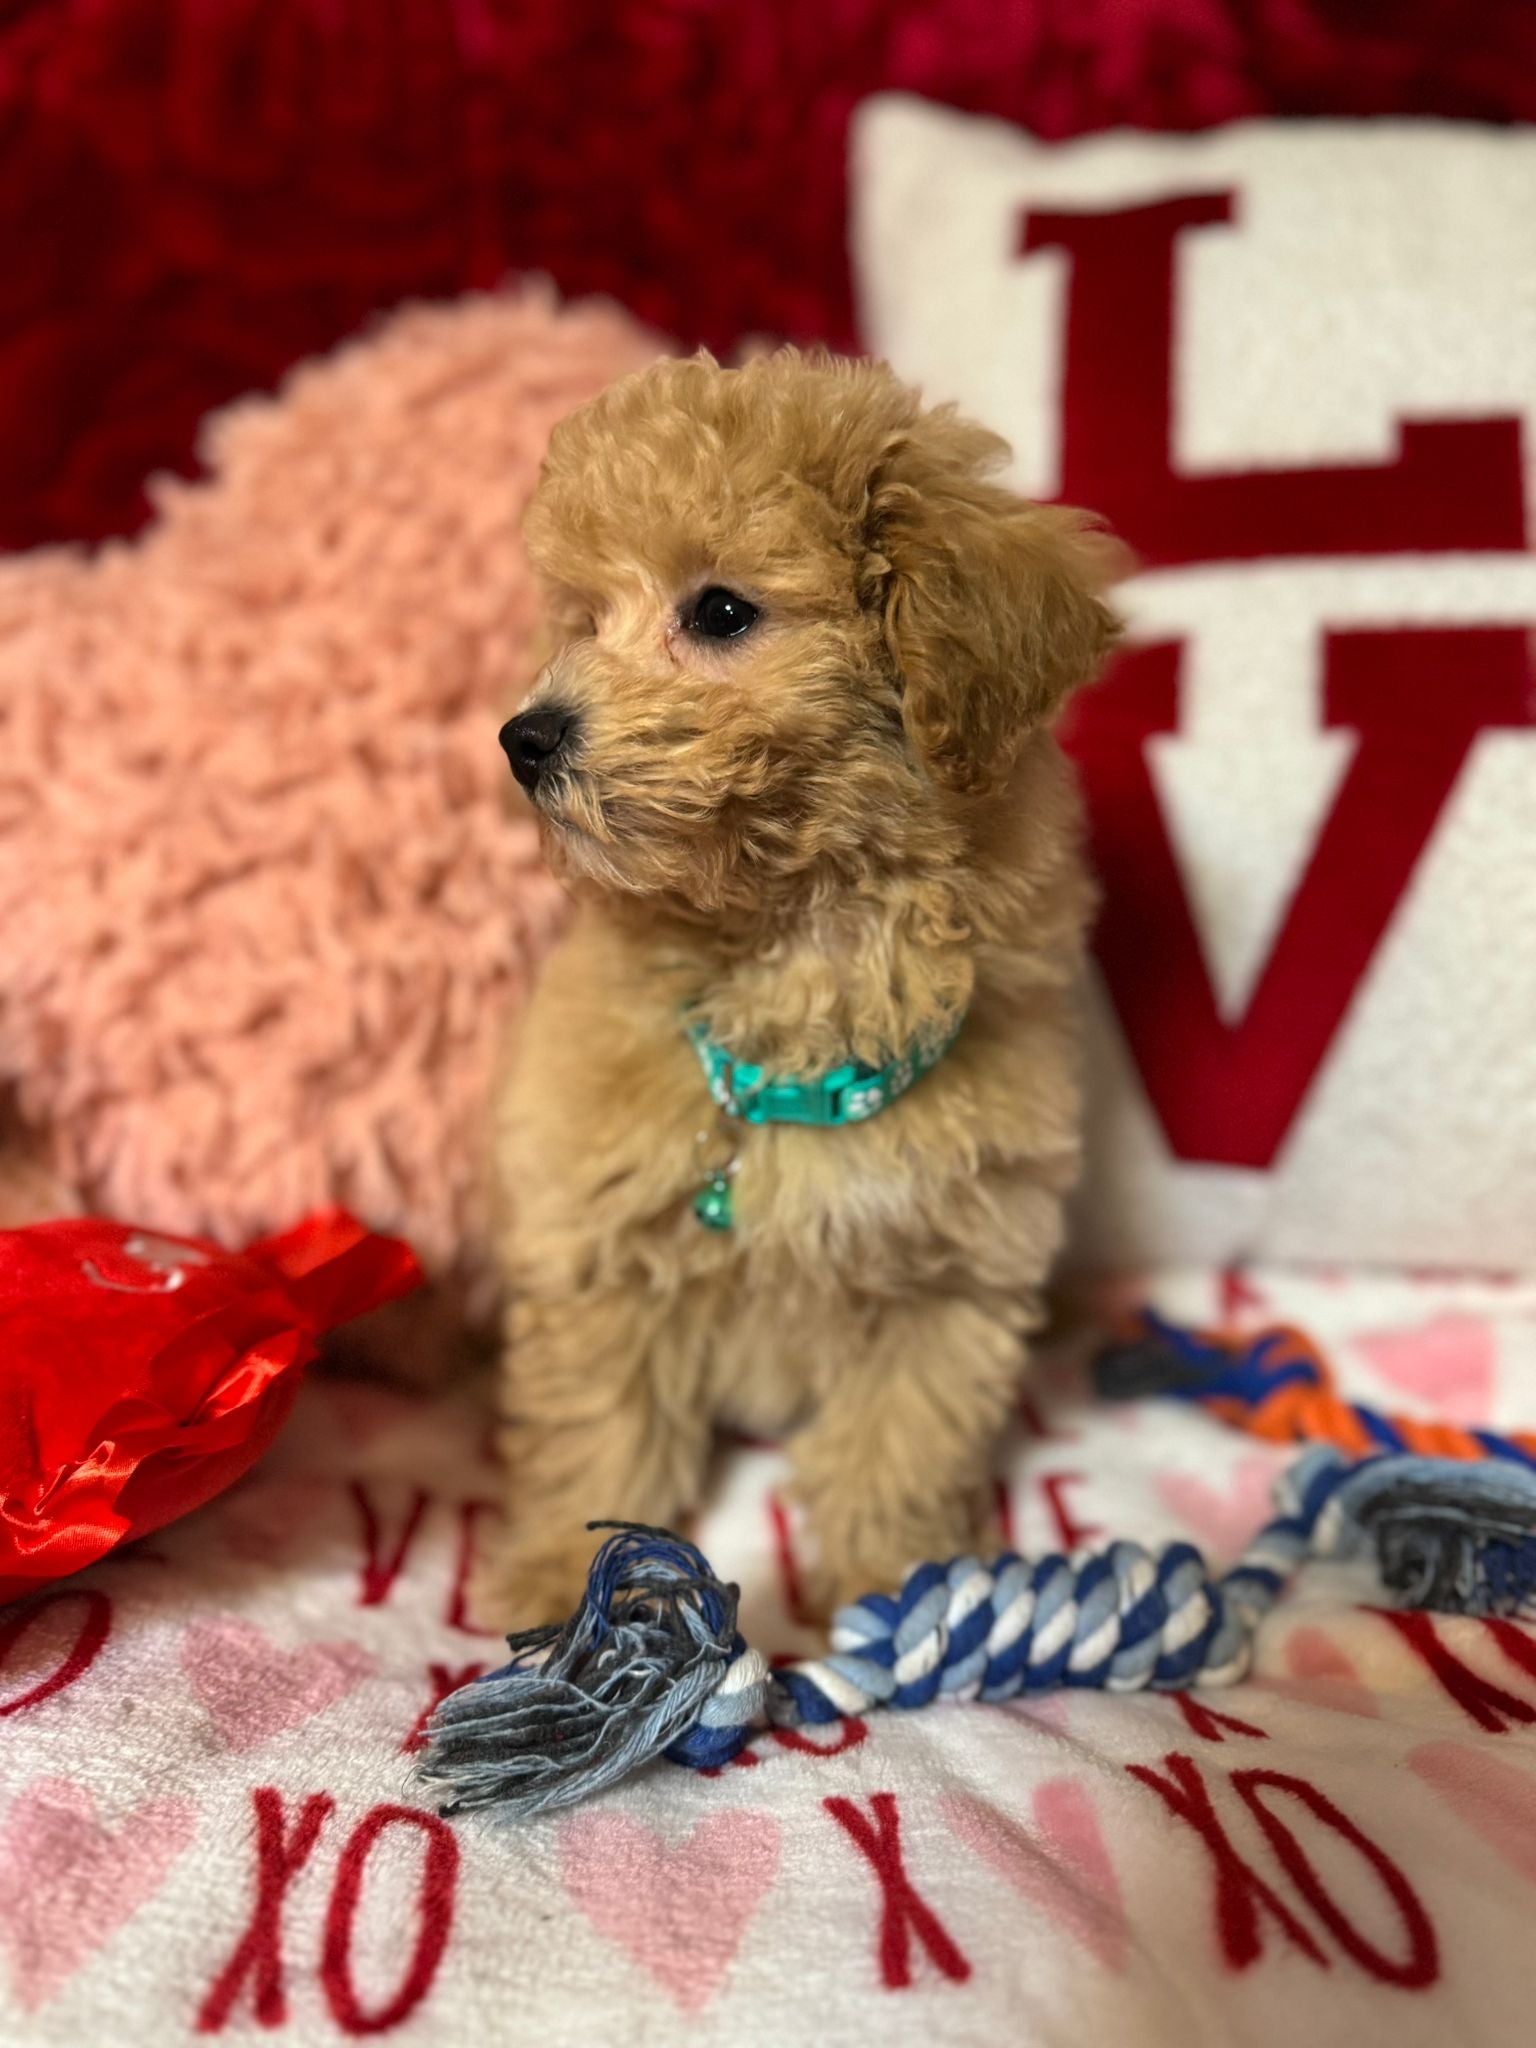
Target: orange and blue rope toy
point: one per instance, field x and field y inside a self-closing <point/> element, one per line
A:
<point x="1276" y="1384"/>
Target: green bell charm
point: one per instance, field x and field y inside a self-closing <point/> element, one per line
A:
<point x="712" y="1203"/>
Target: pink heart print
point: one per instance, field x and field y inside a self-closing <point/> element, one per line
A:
<point x="1061" y="1866"/>
<point x="1493" y="1797"/>
<point x="1448" y="1363"/>
<point x="1321" y="1675"/>
<point x="1050" y="1710"/>
<point x="680" y="1910"/>
<point x="67" y="1882"/>
<point x="250" y="1689"/>
<point x="1224" y="1522"/>
<point x="263" y="1521"/>
<point x="362" y="1414"/>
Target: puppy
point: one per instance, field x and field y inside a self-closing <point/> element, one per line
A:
<point x="791" y="755"/>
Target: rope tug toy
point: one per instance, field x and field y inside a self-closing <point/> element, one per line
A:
<point x="1277" y="1385"/>
<point x="651" y="1664"/>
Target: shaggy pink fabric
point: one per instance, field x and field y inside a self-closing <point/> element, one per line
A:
<point x="265" y="907"/>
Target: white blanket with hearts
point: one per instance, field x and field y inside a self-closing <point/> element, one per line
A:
<point x="208" y="1823"/>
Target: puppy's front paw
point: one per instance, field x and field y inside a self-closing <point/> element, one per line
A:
<point x="526" y="1585"/>
<point x="871" y="1553"/>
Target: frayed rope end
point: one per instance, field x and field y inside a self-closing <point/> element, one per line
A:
<point x="631" y="1676"/>
<point x="1450" y="1537"/>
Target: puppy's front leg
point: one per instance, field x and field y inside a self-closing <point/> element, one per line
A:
<point x="603" y="1420"/>
<point x="893" y="1470"/>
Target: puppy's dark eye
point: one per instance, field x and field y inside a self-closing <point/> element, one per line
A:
<point x="719" y="614"/>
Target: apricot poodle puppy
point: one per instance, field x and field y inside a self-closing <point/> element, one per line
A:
<point x="793" y="1111"/>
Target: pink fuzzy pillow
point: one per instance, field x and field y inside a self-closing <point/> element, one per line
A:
<point x="264" y="912"/>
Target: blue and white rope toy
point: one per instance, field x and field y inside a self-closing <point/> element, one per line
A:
<point x="652" y="1665"/>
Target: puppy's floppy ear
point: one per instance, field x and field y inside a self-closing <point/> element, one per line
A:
<point x="990" y="605"/>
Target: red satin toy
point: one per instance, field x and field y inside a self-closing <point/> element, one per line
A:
<point x="140" y="1375"/>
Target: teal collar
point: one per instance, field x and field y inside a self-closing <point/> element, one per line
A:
<point x="849" y="1094"/>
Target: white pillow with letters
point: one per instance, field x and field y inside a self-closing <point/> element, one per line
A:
<point x="1295" y="364"/>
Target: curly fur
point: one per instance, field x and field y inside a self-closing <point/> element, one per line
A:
<point x="829" y="837"/>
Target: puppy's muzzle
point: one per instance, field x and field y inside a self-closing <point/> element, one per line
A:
<point x="536" y="742"/>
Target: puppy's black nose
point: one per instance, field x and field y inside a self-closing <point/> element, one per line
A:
<point x="534" y="740"/>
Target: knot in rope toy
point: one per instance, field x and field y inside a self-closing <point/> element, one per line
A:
<point x="652" y="1664"/>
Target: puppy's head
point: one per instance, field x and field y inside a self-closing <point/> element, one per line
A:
<point x="799" y="632"/>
